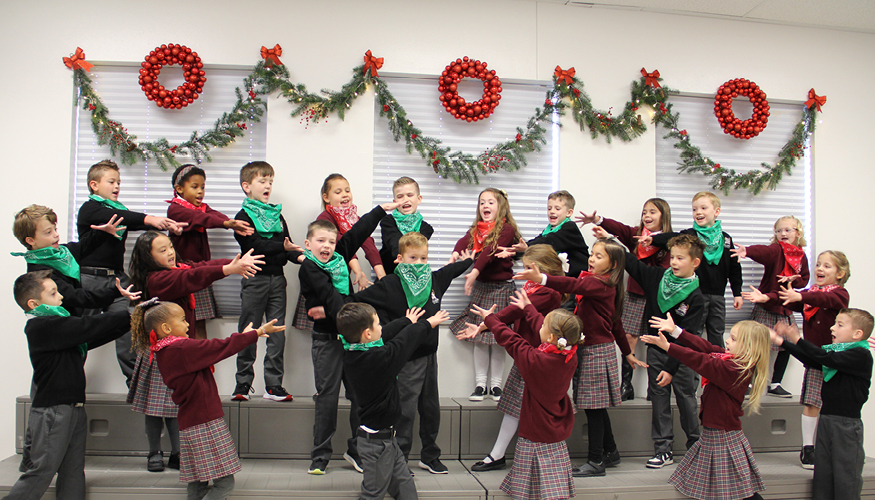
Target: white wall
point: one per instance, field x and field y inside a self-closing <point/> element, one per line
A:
<point x="322" y="41"/>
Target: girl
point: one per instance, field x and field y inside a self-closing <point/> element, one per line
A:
<point x="189" y="182"/>
<point x="187" y="368"/>
<point x="154" y="272"/>
<point x="655" y="219"/>
<point x="721" y="463"/>
<point x="819" y="305"/>
<point x="488" y="283"/>
<point x="545" y="300"/>
<point x="541" y="467"/>
<point x="599" y="305"/>
<point x="785" y="262"/>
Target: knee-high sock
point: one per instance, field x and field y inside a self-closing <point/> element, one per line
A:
<point x="509" y="426"/>
<point x="153" y="433"/>
<point x="809" y="427"/>
<point x="496" y="366"/>
<point x="481" y="364"/>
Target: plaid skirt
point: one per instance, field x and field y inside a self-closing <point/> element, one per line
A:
<point x="812" y="384"/>
<point x="540" y="471"/>
<point x="770" y="319"/>
<point x="633" y="315"/>
<point x="511" y="401"/>
<point x="484" y="295"/>
<point x="720" y="466"/>
<point x="598" y="380"/>
<point x="148" y="394"/>
<point x="206" y="452"/>
<point x="205" y="306"/>
<point x="301" y="321"/>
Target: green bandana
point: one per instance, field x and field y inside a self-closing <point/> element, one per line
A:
<point x="416" y="282"/>
<point x="673" y="290"/>
<point x="59" y="259"/>
<point x="120" y="232"/>
<point x="265" y="216"/>
<point x="829" y="372"/>
<point x="713" y="239"/>
<point x="552" y="229"/>
<point x="337" y="268"/>
<point x="407" y="223"/>
<point x="360" y="347"/>
<point x="46" y="310"/>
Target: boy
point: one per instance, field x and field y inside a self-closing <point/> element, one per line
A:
<point x="717" y="268"/>
<point x="57" y="343"/>
<point x="672" y="291"/>
<point x="847" y="374"/>
<point x="324" y="275"/>
<point x="103" y="261"/>
<point x="373" y="367"/>
<point x="406" y="218"/>
<point x="265" y="293"/>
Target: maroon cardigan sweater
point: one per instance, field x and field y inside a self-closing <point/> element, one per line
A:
<point x="176" y="285"/>
<point x="370" y="248"/>
<point x="626" y="235"/>
<point x="545" y="300"/>
<point x="193" y="244"/>
<point x="595" y="309"/>
<point x="491" y="267"/>
<point x="816" y="330"/>
<point x="772" y="259"/>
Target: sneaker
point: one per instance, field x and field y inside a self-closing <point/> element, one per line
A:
<point x="478" y="394"/>
<point x="482" y="466"/>
<point x="241" y="392"/>
<point x="611" y="459"/>
<point x="495" y="393"/>
<point x="660" y="460"/>
<point x="276" y="393"/>
<point x="156" y="462"/>
<point x="173" y="461"/>
<point x="435" y="466"/>
<point x="317" y="467"/>
<point x="806" y="456"/>
<point x="779" y="392"/>
<point x="589" y="469"/>
<point x="354" y="461"/>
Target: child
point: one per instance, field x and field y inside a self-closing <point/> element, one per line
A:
<point x="373" y="367"/>
<point x="263" y="295"/>
<point x="721" y="464"/>
<point x="545" y="300"/>
<point x="718" y="267"/>
<point x="847" y="375"/>
<point x="57" y="343"/>
<point x="488" y="283"/>
<point x="155" y="272"/>
<point x="189" y="182"/>
<point x="404" y="219"/>
<point x="186" y="366"/>
<point x="655" y="219"/>
<point x="672" y="291"/>
<point x="819" y="306"/>
<point x="541" y="466"/>
<point x="785" y="262"/>
<point x="104" y="262"/>
<point x="599" y="293"/>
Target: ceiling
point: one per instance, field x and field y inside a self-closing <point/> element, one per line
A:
<point x="847" y="15"/>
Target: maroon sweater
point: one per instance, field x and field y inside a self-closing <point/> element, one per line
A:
<point x="626" y="235"/>
<point x="370" y="248"/>
<point x="545" y="300"/>
<point x="185" y="368"/>
<point x="595" y="309"/>
<point x="817" y="329"/>
<point x="491" y="267"/>
<point x="724" y="394"/>
<point x="177" y="285"/>
<point x="772" y="259"/>
<point x="193" y="243"/>
<point x="547" y="415"/>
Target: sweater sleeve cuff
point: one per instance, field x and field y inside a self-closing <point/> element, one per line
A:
<point x="544" y="279"/>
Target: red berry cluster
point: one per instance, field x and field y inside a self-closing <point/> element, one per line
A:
<point x="723" y="108"/>
<point x="455" y="104"/>
<point x="193" y="73"/>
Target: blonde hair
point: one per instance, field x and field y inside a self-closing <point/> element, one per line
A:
<point x="711" y="197"/>
<point x="547" y="259"/>
<point x="563" y="324"/>
<point x="403" y="181"/>
<point x="754" y="347"/>
<point x="800" y="231"/>
<point x="412" y="239"/>
<point x="502" y="217"/>
<point x="841" y="262"/>
<point x="26" y="220"/>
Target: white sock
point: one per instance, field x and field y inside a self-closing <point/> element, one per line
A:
<point x="809" y="427"/>
<point x="481" y="364"/>
<point x="496" y="365"/>
<point x="509" y="426"/>
<point x="774" y="386"/>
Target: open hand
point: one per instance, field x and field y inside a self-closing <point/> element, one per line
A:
<point x="126" y="292"/>
<point x="755" y="296"/>
<point x="441" y="316"/>
<point x="288" y="246"/>
<point x="392" y="205"/>
<point x="644" y="241"/>
<point x="599" y="232"/>
<point x="585" y="218"/>
<point x="245" y="265"/>
<point x="788" y="279"/>
<point x="533" y="274"/>
<point x="111" y="227"/>
<point x="739" y="251"/>
<point x="471" y="331"/>
<point x="362" y="281"/>
<point x="479" y="311"/>
<point x="666" y="324"/>
<point x="240" y="227"/>
<point x="635" y="362"/>
<point x="788" y="295"/>
<point x="659" y="340"/>
<point x="520" y="299"/>
<point x="414" y="313"/>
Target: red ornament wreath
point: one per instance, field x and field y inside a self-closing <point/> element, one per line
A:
<point x="455" y="104"/>
<point x="723" y="108"/>
<point x="192" y="71"/>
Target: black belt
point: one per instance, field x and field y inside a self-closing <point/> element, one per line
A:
<point x="383" y="434"/>
<point x="98" y="271"/>
<point x="324" y="336"/>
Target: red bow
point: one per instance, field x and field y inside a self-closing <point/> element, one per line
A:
<point x="153" y="339"/>
<point x="78" y="61"/>
<point x="562" y="74"/>
<point x="272" y="55"/>
<point x="814" y="99"/>
<point x="372" y="63"/>
<point x="651" y="78"/>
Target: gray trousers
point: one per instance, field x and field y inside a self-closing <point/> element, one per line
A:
<point x="418" y="389"/>
<point x="838" y="458"/>
<point x="201" y="490"/>
<point x="263" y="296"/>
<point x="58" y="447"/>
<point x="715" y="319"/>
<point x="684" y="383"/>
<point x="126" y="358"/>
<point x="328" y="372"/>
<point x="385" y="470"/>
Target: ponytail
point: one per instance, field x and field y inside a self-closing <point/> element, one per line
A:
<point x="146" y="316"/>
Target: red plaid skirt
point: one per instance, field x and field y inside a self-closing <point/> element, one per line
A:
<point x="205" y="306"/>
<point x="812" y="384"/>
<point x="148" y="394"/>
<point x="720" y="466"/>
<point x="207" y="452"/>
<point x="770" y="319"/>
<point x="540" y="471"/>
<point x="633" y="315"/>
<point x="511" y="401"/>
<point x="598" y="381"/>
<point x="484" y="295"/>
<point x="301" y="321"/>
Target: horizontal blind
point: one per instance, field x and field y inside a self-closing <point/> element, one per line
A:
<point x="145" y="187"/>
<point x="747" y="218"/>
<point x="450" y="207"/>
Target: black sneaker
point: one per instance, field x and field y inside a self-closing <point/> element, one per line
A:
<point x="173" y="461"/>
<point x="495" y="393"/>
<point x="611" y="459"/>
<point x="482" y="466"/>
<point x="156" y="462"/>
<point x="354" y="461"/>
<point x="276" y="393"/>
<point x="660" y="460"/>
<point x="779" y="392"/>
<point x="241" y="392"/>
<point x="806" y="456"/>
<point x="478" y="394"/>
<point x="589" y="469"/>
<point x="435" y="466"/>
<point x="318" y="467"/>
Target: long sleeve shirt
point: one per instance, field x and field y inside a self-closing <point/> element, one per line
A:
<point x="369" y="247"/>
<point x="626" y="235"/>
<point x="772" y="259"/>
<point x="177" y="285"/>
<point x="817" y="329"/>
<point x="193" y="244"/>
<point x="544" y="300"/>
<point x="568" y="240"/>
<point x="712" y="277"/>
<point x="76" y="298"/>
<point x="106" y="250"/>
<point x="491" y="268"/>
<point x="391" y="235"/>
<point x="275" y="254"/>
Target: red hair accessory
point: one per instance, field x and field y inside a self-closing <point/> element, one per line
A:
<point x="153" y="339"/>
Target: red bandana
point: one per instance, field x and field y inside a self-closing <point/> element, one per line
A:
<point x="717" y="355"/>
<point x="792" y="259"/>
<point x="646" y="251"/>
<point x="157" y="345"/>
<point x="483" y="229"/>
<point x="552" y="349"/>
<point x="531" y="287"/>
<point x="344" y="218"/>
<point x="183" y="203"/>
<point x="809" y="311"/>
<point x="191" y="302"/>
